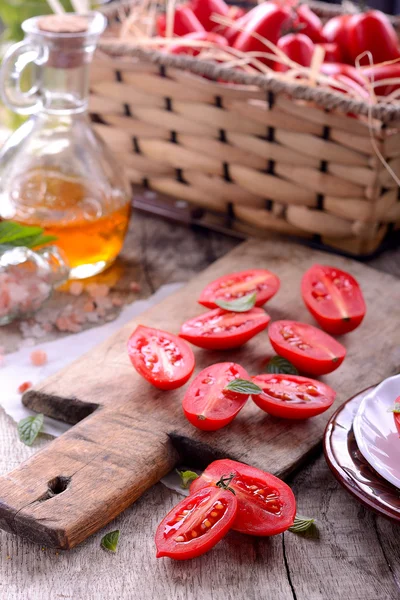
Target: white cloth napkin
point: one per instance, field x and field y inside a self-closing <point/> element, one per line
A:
<point x="18" y="368"/>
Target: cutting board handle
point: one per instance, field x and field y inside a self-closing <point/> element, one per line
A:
<point x="82" y="480"/>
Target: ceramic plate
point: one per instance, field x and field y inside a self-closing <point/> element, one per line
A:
<point x="375" y="432"/>
<point x="350" y="467"/>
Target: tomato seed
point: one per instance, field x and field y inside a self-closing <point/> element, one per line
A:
<point x="180" y="538"/>
<point x="214" y="514"/>
<point x="194" y="533"/>
<point x="207" y="523"/>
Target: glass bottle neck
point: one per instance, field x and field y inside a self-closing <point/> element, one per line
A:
<point x="65" y="91"/>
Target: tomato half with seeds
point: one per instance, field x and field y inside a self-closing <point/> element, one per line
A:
<point x="197" y="523"/>
<point x="292" y="396"/>
<point x="165" y="360"/>
<point x="222" y="330"/>
<point x="236" y="285"/>
<point x="207" y="404"/>
<point x="334" y="298"/>
<point x="266" y="505"/>
<point x="310" y="350"/>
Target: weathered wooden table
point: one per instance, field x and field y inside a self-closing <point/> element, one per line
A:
<point x="354" y="555"/>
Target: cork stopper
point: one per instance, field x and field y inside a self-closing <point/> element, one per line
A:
<point x="63" y="23"/>
<point x="67" y="42"/>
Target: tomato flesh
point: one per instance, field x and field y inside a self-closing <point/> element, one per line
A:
<point x="334" y="298"/>
<point x="266" y="505"/>
<point x="207" y="404"/>
<point x="196" y="524"/>
<point x="310" y="350"/>
<point x="236" y="285"/>
<point x="162" y="358"/>
<point x="221" y="330"/>
<point x="292" y="396"/>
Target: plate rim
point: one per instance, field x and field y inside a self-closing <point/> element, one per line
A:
<point x="341" y="475"/>
<point x="364" y="448"/>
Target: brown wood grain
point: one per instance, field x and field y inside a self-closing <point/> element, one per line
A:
<point x="138" y="433"/>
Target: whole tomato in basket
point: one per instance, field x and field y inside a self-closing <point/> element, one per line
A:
<point x="309" y="23"/>
<point x="202" y="36"/>
<point x="347" y="75"/>
<point x="298" y="47"/>
<point x="333" y="54"/>
<point x="384" y="72"/>
<point x="335" y="31"/>
<point x="374" y="32"/>
<point x="204" y="9"/>
<point x="185" y="21"/>
<point x="267" y="20"/>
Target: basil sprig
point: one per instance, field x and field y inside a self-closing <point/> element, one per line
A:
<point x="278" y="364"/>
<point x="110" y="541"/>
<point x="29" y="428"/>
<point x="243" y="386"/>
<point x="13" y="235"/>
<point x="301" y="524"/>
<point x="239" y="305"/>
<point x="186" y="478"/>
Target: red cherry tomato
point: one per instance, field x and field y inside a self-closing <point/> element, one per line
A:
<point x="372" y="31"/>
<point x="207" y="404"/>
<point x="203" y="36"/>
<point x="380" y="73"/>
<point x="292" y="396"/>
<point x="267" y="20"/>
<point x="309" y="23"/>
<point x="397" y="416"/>
<point x="222" y="330"/>
<point x="308" y="348"/>
<point x="347" y="75"/>
<point x="236" y="285"/>
<point x="298" y="47"/>
<point x="197" y="523"/>
<point x="335" y="31"/>
<point x="185" y="21"/>
<point x="204" y="9"/>
<point x="231" y="33"/>
<point x="235" y="13"/>
<point x="334" y="298"/>
<point x="266" y="505"/>
<point x="162" y="358"/>
<point x="333" y="53"/>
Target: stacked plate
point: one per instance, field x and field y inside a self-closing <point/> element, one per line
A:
<point x="362" y="447"/>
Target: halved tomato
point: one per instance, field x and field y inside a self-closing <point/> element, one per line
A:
<point x="334" y="298"/>
<point x="162" y="358"/>
<point x="207" y="404"/>
<point x="292" y="396"/>
<point x="221" y="330"/>
<point x="235" y="285"/>
<point x="197" y="523"/>
<point x="310" y="350"/>
<point x="266" y="505"/>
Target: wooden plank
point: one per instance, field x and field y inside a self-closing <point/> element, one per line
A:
<point x="127" y="436"/>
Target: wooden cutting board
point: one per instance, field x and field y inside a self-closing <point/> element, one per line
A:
<point x="130" y="434"/>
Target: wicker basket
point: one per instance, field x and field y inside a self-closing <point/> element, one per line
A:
<point x="273" y="156"/>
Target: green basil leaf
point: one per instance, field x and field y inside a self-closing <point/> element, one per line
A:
<point x="278" y="364"/>
<point x="243" y="386"/>
<point x="110" y="541"/>
<point x="29" y="427"/>
<point x="301" y="524"/>
<point x="13" y="234"/>
<point x="240" y="305"/>
<point x="395" y="409"/>
<point x="186" y="478"/>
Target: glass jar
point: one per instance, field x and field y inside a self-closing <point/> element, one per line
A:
<point x="27" y="279"/>
<point x="55" y="172"/>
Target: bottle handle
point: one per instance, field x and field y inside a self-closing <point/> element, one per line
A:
<point x="15" y="60"/>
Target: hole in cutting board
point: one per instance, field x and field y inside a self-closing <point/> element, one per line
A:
<point x="56" y="486"/>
